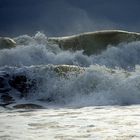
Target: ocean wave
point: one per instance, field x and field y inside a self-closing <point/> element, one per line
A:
<point x="38" y="70"/>
<point x="95" y="42"/>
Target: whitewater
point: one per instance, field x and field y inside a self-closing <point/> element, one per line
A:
<point x="66" y="94"/>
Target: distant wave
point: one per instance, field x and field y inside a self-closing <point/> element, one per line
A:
<point x="95" y="42"/>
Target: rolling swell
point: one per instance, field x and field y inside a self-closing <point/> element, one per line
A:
<point x="37" y="70"/>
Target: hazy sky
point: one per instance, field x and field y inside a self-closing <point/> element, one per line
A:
<point x="65" y="17"/>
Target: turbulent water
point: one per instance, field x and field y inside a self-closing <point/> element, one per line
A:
<point x="90" y="104"/>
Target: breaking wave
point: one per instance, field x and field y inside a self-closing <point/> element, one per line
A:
<point x="109" y="78"/>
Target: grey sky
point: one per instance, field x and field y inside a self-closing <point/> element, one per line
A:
<point x="65" y="17"/>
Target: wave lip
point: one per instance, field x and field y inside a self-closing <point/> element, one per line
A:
<point x="7" y="43"/>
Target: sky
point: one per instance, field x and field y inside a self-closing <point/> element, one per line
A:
<point x="67" y="17"/>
